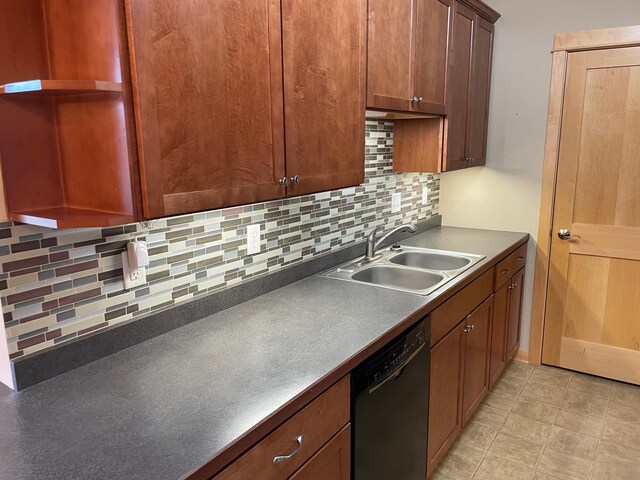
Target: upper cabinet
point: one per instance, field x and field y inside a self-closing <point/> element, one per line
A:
<point x="324" y="93"/>
<point x="239" y="102"/>
<point x="407" y="55"/>
<point x="208" y="95"/>
<point x="67" y="143"/>
<point x="469" y="74"/>
<point x="112" y="111"/>
<point x="463" y="131"/>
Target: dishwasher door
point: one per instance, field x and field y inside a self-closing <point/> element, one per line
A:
<point x="390" y="410"/>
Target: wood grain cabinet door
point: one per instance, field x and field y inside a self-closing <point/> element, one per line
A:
<point x="207" y="80"/>
<point x="390" y="60"/>
<point x="332" y="462"/>
<point x="324" y="93"/>
<point x="445" y="394"/>
<point x="478" y="112"/>
<point x="430" y="55"/>
<point x="515" y="313"/>
<point x="476" y="359"/>
<point x="499" y="327"/>
<point x="459" y="77"/>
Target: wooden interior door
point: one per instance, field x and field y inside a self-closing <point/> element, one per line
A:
<point x="592" y="320"/>
<point x="459" y="81"/>
<point x="445" y="394"/>
<point x="478" y="112"/>
<point x="476" y="358"/>
<point x="324" y="51"/>
<point x="390" y="44"/>
<point x="207" y="80"/>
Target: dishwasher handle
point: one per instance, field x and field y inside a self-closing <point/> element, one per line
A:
<point x="396" y="373"/>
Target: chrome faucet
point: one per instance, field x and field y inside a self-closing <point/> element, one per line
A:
<point x="372" y="245"/>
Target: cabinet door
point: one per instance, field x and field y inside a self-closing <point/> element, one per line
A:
<point x="333" y="461"/>
<point x="476" y="359"/>
<point x="499" y="334"/>
<point x="324" y="93"/>
<point x="430" y="54"/>
<point x="445" y="394"/>
<point x="207" y="80"/>
<point x="478" y="114"/>
<point x="390" y="44"/>
<point x="515" y="313"/>
<point x="458" y="87"/>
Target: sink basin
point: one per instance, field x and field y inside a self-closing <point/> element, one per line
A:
<point x="400" y="278"/>
<point x="431" y="261"/>
<point x="407" y="269"/>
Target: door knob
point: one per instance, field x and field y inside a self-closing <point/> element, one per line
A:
<point x="565" y="234"/>
<point x="295" y="179"/>
<point x="284" y="181"/>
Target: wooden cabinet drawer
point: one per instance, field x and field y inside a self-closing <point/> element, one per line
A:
<point x="454" y="310"/>
<point x="316" y="423"/>
<point x="510" y="265"/>
<point x="332" y="462"/>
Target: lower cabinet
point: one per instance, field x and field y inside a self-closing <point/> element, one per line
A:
<point x="333" y="461"/>
<point x="314" y="444"/>
<point x="477" y="331"/>
<point x="459" y="375"/>
<point x="474" y="335"/>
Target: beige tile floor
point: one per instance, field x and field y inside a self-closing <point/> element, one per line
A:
<point x="541" y="423"/>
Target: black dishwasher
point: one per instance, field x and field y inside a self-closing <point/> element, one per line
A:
<point x="390" y="409"/>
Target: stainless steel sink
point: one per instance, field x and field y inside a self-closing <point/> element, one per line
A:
<point x="431" y="261"/>
<point x="399" y="278"/>
<point x="408" y="269"/>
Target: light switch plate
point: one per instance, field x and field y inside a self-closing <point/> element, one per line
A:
<point x="425" y="195"/>
<point x="133" y="277"/>
<point x="253" y="239"/>
<point x="396" y="199"/>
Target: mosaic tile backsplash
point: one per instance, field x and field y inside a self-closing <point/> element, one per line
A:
<point x="57" y="285"/>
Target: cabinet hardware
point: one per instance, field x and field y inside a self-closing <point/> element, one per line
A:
<point x="520" y="259"/>
<point x="282" y="458"/>
<point x="416" y="99"/>
<point x="295" y="179"/>
<point x="505" y="271"/>
<point x="284" y="181"/>
<point x="468" y="328"/>
<point x="512" y="286"/>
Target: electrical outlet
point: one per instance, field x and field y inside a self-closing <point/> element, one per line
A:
<point x="396" y="199"/>
<point x="133" y="277"/>
<point x="425" y="195"/>
<point x="253" y="239"/>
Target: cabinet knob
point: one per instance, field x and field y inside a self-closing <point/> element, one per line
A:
<point x="505" y="271"/>
<point x="295" y="179"/>
<point x="284" y="181"/>
<point x="416" y="99"/>
<point x="468" y="328"/>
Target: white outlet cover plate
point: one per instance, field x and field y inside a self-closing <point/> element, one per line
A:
<point x="253" y="239"/>
<point x="425" y="195"/>
<point x="132" y="277"/>
<point x="396" y="199"/>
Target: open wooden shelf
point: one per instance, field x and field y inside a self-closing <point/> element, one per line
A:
<point x="69" y="217"/>
<point x="59" y="87"/>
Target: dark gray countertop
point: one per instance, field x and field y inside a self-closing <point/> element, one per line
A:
<point x="165" y="407"/>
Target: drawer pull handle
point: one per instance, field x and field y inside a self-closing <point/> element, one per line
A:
<point x="505" y="271"/>
<point x="282" y="458"/>
<point x="520" y="259"/>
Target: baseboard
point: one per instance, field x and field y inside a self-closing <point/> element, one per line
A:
<point x="522" y="355"/>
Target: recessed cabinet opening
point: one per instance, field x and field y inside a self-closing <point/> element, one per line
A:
<point x="63" y="118"/>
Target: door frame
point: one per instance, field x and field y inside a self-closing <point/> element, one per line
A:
<point x="564" y="44"/>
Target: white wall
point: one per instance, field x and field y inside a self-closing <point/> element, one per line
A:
<point x="505" y="195"/>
